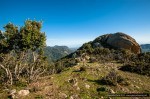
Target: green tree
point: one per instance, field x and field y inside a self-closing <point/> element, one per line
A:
<point x="11" y="35"/>
<point x="19" y="43"/>
<point x="31" y="36"/>
<point x="32" y="39"/>
<point x="3" y="42"/>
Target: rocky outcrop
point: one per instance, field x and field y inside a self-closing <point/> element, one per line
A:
<point x="118" y="41"/>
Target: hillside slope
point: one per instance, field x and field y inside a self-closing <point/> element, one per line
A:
<point x="74" y="83"/>
<point x="92" y="72"/>
<point x="57" y="52"/>
<point x="108" y="47"/>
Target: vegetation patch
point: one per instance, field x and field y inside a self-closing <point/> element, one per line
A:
<point x="83" y="68"/>
<point x="138" y="68"/>
<point x="113" y="78"/>
<point x="101" y="89"/>
<point x="140" y="64"/>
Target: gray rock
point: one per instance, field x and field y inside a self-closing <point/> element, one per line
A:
<point x="111" y="91"/>
<point x="119" y="41"/>
<point x="87" y="86"/>
<point x="62" y="95"/>
<point x="74" y="97"/>
<point x="23" y="92"/>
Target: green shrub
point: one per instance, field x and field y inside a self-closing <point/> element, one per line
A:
<point x="39" y="97"/>
<point x="20" y="84"/>
<point x="139" y="68"/>
<point x="82" y="68"/>
<point x="113" y="78"/>
<point x="102" y="89"/>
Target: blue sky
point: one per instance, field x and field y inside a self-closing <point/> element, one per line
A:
<point x="74" y="22"/>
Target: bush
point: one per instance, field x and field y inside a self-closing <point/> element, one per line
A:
<point x="139" y="68"/>
<point x="20" y="84"/>
<point x="82" y="68"/>
<point x="92" y="60"/>
<point x="112" y="79"/>
<point x="102" y="89"/>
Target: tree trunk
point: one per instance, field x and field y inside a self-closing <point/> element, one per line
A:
<point x="6" y="70"/>
<point x="34" y="57"/>
<point x="10" y="77"/>
<point x="8" y="73"/>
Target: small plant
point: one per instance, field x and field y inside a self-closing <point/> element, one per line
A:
<point x="39" y="97"/>
<point x="138" y="67"/>
<point x="20" y="84"/>
<point x="102" y="89"/>
<point x="82" y="68"/>
<point x="92" y="60"/>
<point x="35" y="89"/>
<point x="112" y="78"/>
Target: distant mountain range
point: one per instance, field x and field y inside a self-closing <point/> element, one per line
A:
<point x="57" y="52"/>
<point x="145" y="47"/>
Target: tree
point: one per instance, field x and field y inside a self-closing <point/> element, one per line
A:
<point x="3" y="42"/>
<point x="11" y="35"/>
<point x="32" y="39"/>
<point x="17" y="44"/>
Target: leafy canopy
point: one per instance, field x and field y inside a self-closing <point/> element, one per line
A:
<point x="27" y="37"/>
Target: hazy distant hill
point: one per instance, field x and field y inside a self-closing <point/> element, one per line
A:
<point x="57" y="52"/>
<point x="145" y="47"/>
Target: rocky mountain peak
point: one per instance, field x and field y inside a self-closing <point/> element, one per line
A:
<point x="117" y="40"/>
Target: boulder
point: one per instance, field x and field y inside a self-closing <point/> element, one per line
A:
<point x="74" y="96"/>
<point x="119" y="41"/>
<point x="87" y="86"/>
<point x="62" y="95"/>
<point x="111" y="91"/>
<point x="23" y="92"/>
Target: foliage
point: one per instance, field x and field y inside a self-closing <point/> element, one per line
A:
<point x="112" y="78"/>
<point x="102" y="89"/>
<point x="83" y="68"/>
<point x="21" y="52"/>
<point x="140" y="64"/>
<point x="31" y="36"/>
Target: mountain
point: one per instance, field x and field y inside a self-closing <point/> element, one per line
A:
<point x="107" y="47"/>
<point x="117" y="40"/>
<point x="145" y="47"/>
<point x="57" y="52"/>
<point x="99" y="69"/>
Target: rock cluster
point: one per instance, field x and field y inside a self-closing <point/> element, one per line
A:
<point x="12" y="94"/>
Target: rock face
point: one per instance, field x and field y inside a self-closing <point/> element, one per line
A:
<point x="119" y="41"/>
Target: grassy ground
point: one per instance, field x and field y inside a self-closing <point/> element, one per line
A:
<point x="74" y="83"/>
